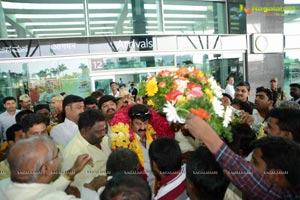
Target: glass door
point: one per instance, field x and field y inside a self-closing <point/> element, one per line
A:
<point x="102" y="83"/>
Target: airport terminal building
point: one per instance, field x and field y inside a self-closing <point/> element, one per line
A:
<point x="78" y="46"/>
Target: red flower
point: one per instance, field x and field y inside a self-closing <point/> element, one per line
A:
<point x="171" y="96"/>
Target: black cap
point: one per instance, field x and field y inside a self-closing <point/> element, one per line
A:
<point x="227" y="95"/>
<point x="295" y="85"/>
<point x="106" y="98"/>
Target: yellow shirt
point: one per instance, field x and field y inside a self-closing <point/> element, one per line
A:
<point x="78" y="146"/>
<point x="4" y="170"/>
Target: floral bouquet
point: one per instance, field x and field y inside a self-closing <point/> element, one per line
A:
<point x="187" y="90"/>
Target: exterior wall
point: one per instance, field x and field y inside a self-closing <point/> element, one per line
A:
<point x="262" y="67"/>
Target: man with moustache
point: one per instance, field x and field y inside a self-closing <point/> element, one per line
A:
<point x="242" y="92"/>
<point x="108" y="106"/>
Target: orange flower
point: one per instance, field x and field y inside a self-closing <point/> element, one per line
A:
<point x="201" y="113"/>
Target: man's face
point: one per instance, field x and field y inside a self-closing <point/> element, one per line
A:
<point x="114" y="86"/>
<point x="273" y="84"/>
<point x="257" y="160"/>
<point x="57" y="105"/>
<point x="73" y="110"/>
<point x="295" y="92"/>
<point x="241" y="93"/>
<point x="225" y="101"/>
<point x="19" y="135"/>
<point x="262" y="101"/>
<point x="95" y="134"/>
<point x="10" y="106"/>
<point x="139" y="127"/>
<point x="25" y="105"/>
<point x="231" y="81"/>
<point x="109" y="108"/>
<point x="273" y="129"/>
<point x="37" y="129"/>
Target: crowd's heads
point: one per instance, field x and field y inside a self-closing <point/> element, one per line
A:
<point x="108" y="105"/>
<point x="295" y="90"/>
<point x="241" y="105"/>
<point x="126" y="187"/>
<point x="204" y="176"/>
<point x="242" y="91"/>
<point x="20" y="115"/>
<point x="139" y="115"/>
<point x="25" y="101"/>
<point x="242" y="135"/>
<point x="165" y="156"/>
<point x="34" y="124"/>
<point x="92" y="126"/>
<point x="278" y="159"/>
<point x="72" y="106"/>
<point x="34" y="160"/>
<point x="284" y="122"/>
<point x="90" y="102"/>
<point x="265" y="97"/>
<point x="10" y="104"/>
<point x="122" y="160"/>
<point x="139" y="111"/>
<point x="226" y="99"/>
<point x="14" y="133"/>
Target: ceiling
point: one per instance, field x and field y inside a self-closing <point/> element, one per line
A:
<point x="61" y="18"/>
<point x="68" y="18"/>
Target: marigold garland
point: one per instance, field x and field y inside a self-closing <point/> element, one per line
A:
<point x="122" y="135"/>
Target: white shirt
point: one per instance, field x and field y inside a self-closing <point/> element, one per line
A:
<point x="116" y="95"/>
<point x="63" y="133"/>
<point x="147" y="164"/>
<point x="229" y="89"/>
<point x="6" y="120"/>
<point x="78" y="146"/>
<point x="29" y="191"/>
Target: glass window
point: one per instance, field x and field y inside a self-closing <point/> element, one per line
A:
<point x="194" y="17"/>
<point x="219" y="65"/>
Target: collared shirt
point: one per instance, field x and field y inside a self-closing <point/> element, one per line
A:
<point x="6" y="120"/>
<point x="249" y="180"/>
<point x="63" y="133"/>
<point x="78" y="146"/>
<point x="173" y="186"/>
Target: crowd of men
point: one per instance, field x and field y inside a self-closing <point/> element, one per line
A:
<point x="63" y="149"/>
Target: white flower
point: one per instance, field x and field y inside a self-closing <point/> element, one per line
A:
<point x="227" y="116"/>
<point x="218" y="107"/>
<point x="182" y="84"/>
<point x="214" y="87"/>
<point x="171" y="113"/>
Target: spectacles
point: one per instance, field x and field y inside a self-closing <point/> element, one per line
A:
<point x="58" y="155"/>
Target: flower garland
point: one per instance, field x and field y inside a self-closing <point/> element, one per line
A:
<point x="188" y="90"/>
<point x="122" y="135"/>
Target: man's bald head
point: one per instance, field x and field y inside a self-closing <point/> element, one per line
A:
<point x="27" y="157"/>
